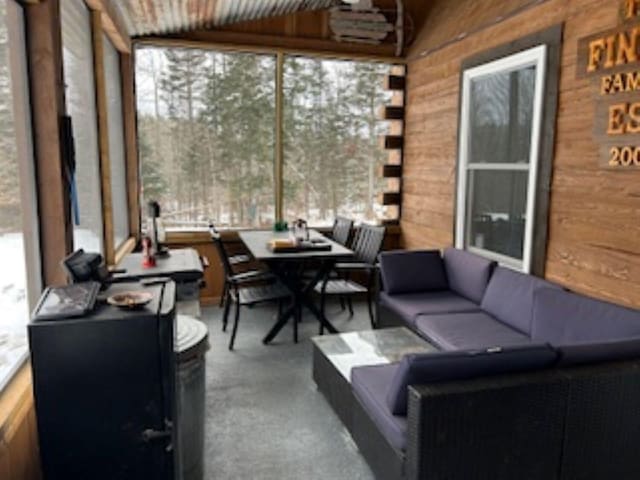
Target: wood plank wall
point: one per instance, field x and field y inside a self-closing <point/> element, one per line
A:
<point x="19" y="453"/>
<point x="594" y="226"/>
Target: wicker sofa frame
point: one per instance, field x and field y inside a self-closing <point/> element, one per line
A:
<point x="561" y="423"/>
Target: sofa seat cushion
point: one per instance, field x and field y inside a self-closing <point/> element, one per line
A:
<point x="468" y="330"/>
<point x="509" y="297"/>
<point x="370" y="386"/>
<point x="467" y="273"/>
<point x="412" y="271"/>
<point x="421" y="369"/>
<point x="410" y="305"/>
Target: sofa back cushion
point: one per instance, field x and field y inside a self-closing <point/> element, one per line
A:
<point x="419" y="369"/>
<point x="565" y="318"/>
<point x="467" y="273"/>
<point x="590" y="352"/>
<point x="509" y="297"/>
<point x="412" y="271"/>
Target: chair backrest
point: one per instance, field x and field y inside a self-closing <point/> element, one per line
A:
<point x="222" y="252"/>
<point x="342" y="230"/>
<point x="368" y="243"/>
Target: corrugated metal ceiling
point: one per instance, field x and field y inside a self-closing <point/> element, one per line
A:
<point x="156" y="17"/>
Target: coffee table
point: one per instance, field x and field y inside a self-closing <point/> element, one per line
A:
<point x="335" y="355"/>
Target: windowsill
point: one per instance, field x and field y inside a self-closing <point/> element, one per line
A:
<point x="198" y="235"/>
<point x="14" y="396"/>
<point x="13" y="369"/>
<point x="126" y="248"/>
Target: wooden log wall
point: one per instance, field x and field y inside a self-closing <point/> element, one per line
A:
<point x="19" y="453"/>
<point x="594" y="223"/>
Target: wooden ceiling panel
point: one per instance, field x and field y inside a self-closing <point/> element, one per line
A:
<point x="161" y="17"/>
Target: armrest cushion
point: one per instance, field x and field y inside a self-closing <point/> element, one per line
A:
<point x="596" y="352"/>
<point x="412" y="271"/>
<point x="416" y="369"/>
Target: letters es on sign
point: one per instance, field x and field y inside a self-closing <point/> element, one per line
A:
<point x="612" y="59"/>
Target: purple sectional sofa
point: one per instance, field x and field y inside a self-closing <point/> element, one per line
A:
<point x="530" y="380"/>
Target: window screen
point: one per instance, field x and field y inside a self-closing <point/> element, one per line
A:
<point x="20" y="282"/>
<point x="81" y="106"/>
<point x="116" y="143"/>
<point x="332" y="152"/>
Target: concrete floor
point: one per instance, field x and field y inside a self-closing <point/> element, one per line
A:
<point x="265" y="419"/>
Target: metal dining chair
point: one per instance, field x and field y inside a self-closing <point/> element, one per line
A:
<point x="234" y="261"/>
<point x="246" y="288"/>
<point x="366" y="247"/>
<point x="341" y="231"/>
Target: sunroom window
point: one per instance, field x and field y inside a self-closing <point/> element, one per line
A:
<point x="498" y="159"/>
<point x="208" y="128"/>
<point x="118" y="172"/>
<point x="19" y="249"/>
<point x="80" y="99"/>
<point x="332" y="153"/>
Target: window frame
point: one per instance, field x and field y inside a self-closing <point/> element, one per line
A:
<point x="535" y="56"/>
<point x="109" y="49"/>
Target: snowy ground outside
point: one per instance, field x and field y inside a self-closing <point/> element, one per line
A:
<point x="13" y="305"/>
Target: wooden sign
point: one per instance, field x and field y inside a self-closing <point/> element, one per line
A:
<point x="612" y="59"/>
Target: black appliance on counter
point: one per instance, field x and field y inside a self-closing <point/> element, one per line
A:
<point x="105" y="390"/>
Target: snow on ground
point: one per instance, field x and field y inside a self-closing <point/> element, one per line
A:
<point x="14" y="307"/>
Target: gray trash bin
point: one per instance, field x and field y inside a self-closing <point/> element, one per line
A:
<point x="191" y="344"/>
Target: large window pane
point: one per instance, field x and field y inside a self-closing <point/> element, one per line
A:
<point x="497" y="211"/>
<point x="501" y="117"/>
<point x="206" y="124"/>
<point x="332" y="151"/>
<point x="116" y="143"/>
<point x="19" y="277"/>
<point x="81" y="106"/>
<point x="501" y="112"/>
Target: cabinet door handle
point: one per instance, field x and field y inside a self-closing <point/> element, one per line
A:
<point x="151" y="435"/>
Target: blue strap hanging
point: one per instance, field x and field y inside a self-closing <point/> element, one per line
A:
<point x="75" y="208"/>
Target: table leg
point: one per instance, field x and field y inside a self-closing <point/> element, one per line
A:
<point x="302" y="297"/>
<point x="280" y="323"/>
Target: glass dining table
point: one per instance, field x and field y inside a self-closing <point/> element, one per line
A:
<point x="299" y="270"/>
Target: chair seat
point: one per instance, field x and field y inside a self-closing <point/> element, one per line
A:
<point x="252" y="276"/>
<point x="262" y="293"/>
<point x="353" y="266"/>
<point x="237" y="259"/>
<point x="341" y="287"/>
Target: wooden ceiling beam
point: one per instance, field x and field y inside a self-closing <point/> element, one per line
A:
<point x="275" y="43"/>
<point x="112" y="25"/>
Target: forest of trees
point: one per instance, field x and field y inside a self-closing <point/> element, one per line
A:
<point x="10" y="211"/>
<point x="207" y="136"/>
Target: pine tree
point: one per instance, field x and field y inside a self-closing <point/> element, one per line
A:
<point x="154" y="185"/>
<point x="9" y="180"/>
<point x="182" y="86"/>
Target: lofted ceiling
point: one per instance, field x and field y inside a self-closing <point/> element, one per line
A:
<point x="160" y="17"/>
